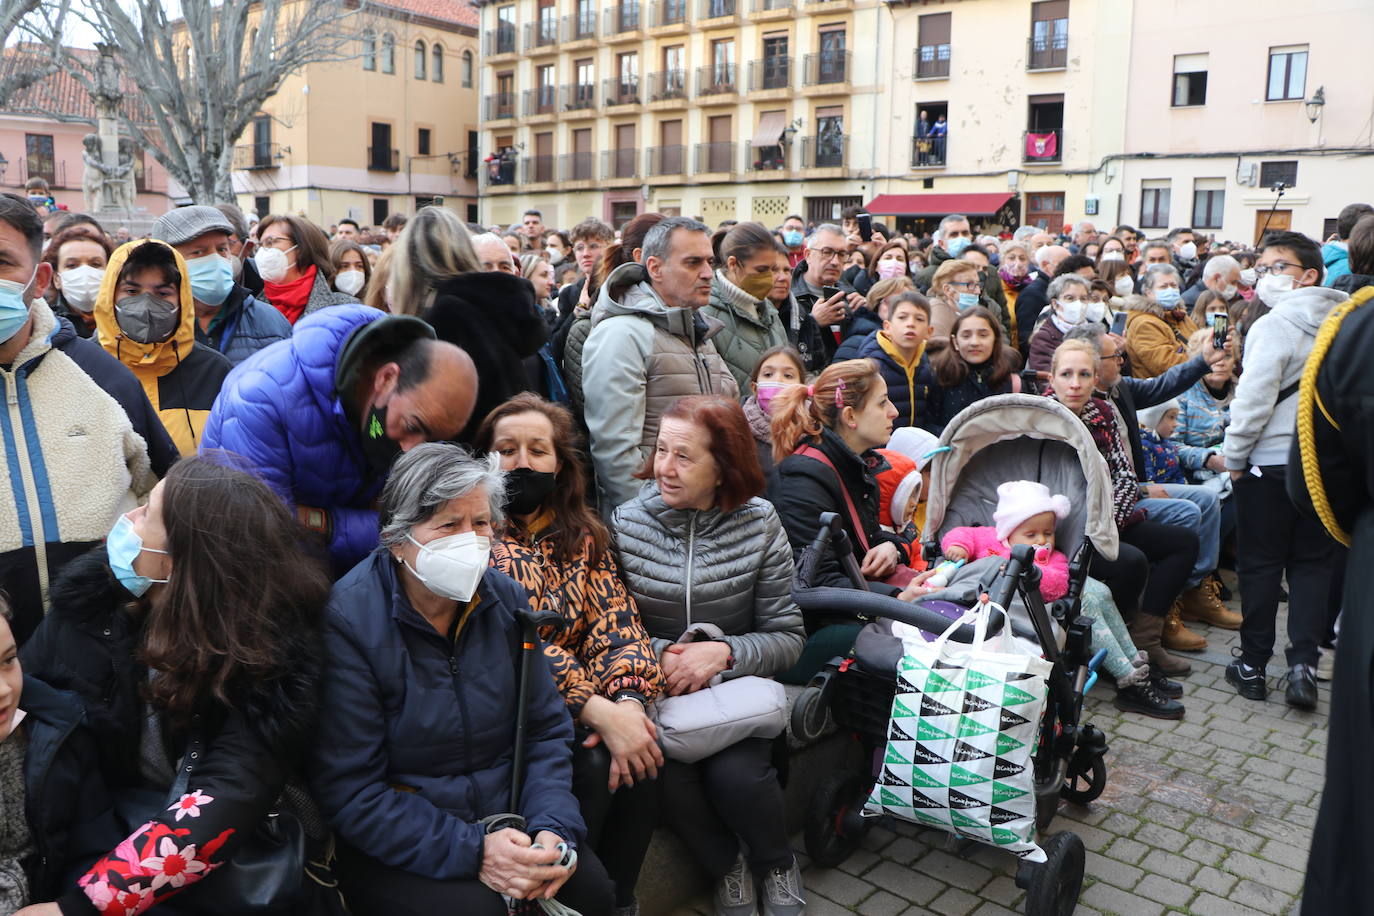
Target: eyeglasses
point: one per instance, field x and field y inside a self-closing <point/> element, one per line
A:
<point x="827" y="254"/>
<point x="1277" y="267"/>
<point x="1119" y="357"/>
<point x="272" y="241"/>
<point x="968" y="285"/>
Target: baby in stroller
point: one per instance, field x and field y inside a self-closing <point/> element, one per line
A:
<point x="1027" y="514"/>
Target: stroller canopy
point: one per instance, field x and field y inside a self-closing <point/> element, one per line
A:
<point x="1021" y="437"/>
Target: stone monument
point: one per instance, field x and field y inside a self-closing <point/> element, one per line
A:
<point x="108" y="183"/>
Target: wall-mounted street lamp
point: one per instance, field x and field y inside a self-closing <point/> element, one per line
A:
<point x="1314" y="104"/>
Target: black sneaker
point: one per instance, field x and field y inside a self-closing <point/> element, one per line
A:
<point x="1146" y="700"/>
<point x="1161" y="683"/>
<point x="1249" y="682"/>
<point x="1301" y="692"/>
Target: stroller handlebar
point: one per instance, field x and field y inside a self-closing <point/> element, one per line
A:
<point x="826" y="601"/>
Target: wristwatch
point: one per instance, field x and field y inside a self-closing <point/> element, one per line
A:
<point x="636" y="696"/>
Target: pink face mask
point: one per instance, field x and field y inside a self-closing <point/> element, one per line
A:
<point x="767" y="391"/>
<point x="889" y="269"/>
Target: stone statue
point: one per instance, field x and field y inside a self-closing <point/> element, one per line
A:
<point x="105" y="187"/>
<point x="93" y="178"/>
<point x="125" y="192"/>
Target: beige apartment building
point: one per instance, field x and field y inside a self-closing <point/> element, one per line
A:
<point x="722" y="109"/>
<point x="1003" y="110"/>
<point x="1248" y="96"/>
<point x="393" y="129"/>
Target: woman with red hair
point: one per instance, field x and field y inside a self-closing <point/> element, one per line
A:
<point x="709" y="565"/>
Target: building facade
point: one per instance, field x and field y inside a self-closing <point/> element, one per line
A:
<point x="721" y="109"/>
<point x="1002" y="109"/>
<point x="1243" y="104"/>
<point x="386" y="132"/>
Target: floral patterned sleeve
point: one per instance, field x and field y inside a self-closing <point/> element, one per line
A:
<point x="232" y="788"/>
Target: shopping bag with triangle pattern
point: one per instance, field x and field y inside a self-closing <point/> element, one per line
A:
<point x="962" y="736"/>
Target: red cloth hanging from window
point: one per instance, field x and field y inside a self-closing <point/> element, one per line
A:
<point x="1042" y="146"/>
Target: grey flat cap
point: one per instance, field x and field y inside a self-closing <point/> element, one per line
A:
<point x="179" y="226"/>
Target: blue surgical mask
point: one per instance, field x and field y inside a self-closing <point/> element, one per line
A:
<point x="967" y="300"/>
<point x="123" y="547"/>
<point x="792" y="237"/>
<point x="14" y="306"/>
<point x="956" y="245"/>
<point x="1168" y="297"/>
<point x="212" y="278"/>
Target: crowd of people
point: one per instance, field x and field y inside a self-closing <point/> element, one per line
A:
<point x="282" y="501"/>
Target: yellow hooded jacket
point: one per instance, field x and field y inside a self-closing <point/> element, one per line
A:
<point x="181" y="377"/>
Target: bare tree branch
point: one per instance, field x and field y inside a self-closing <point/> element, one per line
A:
<point x="203" y="77"/>
<point x="22" y="70"/>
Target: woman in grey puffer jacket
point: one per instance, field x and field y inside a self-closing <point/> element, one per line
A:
<point x="702" y="552"/>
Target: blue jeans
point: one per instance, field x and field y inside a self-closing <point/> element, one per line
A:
<point x="1197" y="509"/>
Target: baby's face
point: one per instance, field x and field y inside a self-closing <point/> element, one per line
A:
<point x="1038" y="531"/>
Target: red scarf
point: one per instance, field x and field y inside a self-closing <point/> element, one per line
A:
<point x="291" y="298"/>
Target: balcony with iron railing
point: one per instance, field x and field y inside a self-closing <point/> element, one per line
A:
<point x="580" y="98"/>
<point x="827" y="68"/>
<point x="718" y="9"/>
<point x="660" y="161"/>
<point x="382" y="159"/>
<point x="763" y="159"/>
<point x="668" y="14"/>
<point x="928" y="152"/>
<point x="1047" y="53"/>
<point x="1042" y="146"/>
<point x="770" y="73"/>
<point x="53" y="171"/>
<point x="575" y="167"/>
<point x="719" y="81"/>
<point x="500" y="40"/>
<point x="499" y="106"/>
<point x="715" y="157"/>
<point x="824" y="152"/>
<point x="667" y="84"/>
<point x="250" y="156"/>
<point x="541" y="101"/>
<point x="623" y="91"/>
<point x="931" y="62"/>
<point x="619" y="164"/>
<point x="624" y="20"/>
<point x="498" y="172"/>
<point x="579" y="27"/>
<point x="541" y="35"/>
<point x="541" y="169"/>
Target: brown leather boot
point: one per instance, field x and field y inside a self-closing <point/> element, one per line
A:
<point x="1146" y="631"/>
<point x="1203" y="604"/>
<point x="1178" y="637"/>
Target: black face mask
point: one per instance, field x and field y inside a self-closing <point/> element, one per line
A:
<point x="526" y="490"/>
<point x="377" y="448"/>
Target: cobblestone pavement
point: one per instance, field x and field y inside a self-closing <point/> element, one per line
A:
<point x="1207" y="816"/>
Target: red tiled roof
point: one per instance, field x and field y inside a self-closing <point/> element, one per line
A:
<point x="458" y="12"/>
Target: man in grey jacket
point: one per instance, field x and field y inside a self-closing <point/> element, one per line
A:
<point x="1272" y="536"/>
<point x="648" y="347"/>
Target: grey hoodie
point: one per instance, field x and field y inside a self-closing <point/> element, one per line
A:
<point x="1276" y="350"/>
<point x="640" y="356"/>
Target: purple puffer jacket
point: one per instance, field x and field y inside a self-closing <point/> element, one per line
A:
<point x="278" y="410"/>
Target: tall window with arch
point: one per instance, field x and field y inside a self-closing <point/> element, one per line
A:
<point x="421" y="60"/>
<point x="467" y="70"/>
<point x="436" y="62"/>
<point x="369" y="48"/>
<point x="388" y="53"/>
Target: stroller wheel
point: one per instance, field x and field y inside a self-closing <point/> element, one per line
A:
<point x="809" y="715"/>
<point x="834" y="825"/>
<point x="1055" y="884"/>
<point x="1084" y="787"/>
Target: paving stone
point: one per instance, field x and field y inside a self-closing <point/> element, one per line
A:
<point x="1114" y="900"/>
<point x="905" y="883"/>
<point x="1260" y="897"/>
<point x="859" y="861"/>
<point x="1159" y="862"/>
<point x="954" y="902"/>
<point x="883" y="904"/>
<point x="837" y="886"/>
<point x="952" y="870"/>
<point x="1203" y="852"/>
<point x="904" y="851"/>
<point x="993" y="909"/>
<point x="1113" y="872"/>
<point x="1164" y="890"/>
<point x="1001" y="890"/>
<point x="1267" y="873"/>
<point x="1214" y="881"/>
<point x="1127" y="850"/>
<point x="1208" y="905"/>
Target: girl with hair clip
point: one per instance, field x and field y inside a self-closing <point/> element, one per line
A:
<point x="824" y="439"/>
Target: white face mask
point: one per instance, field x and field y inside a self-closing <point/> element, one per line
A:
<point x="1095" y="311"/>
<point x="555" y="254"/>
<point x="1124" y="285"/>
<point x="80" y="285"/>
<point x="350" y="281"/>
<point x="1271" y="286"/>
<point x="1071" y="312"/>
<point x="452" y="566"/>
<point x="1229" y="292"/>
<point x="1187" y="251"/>
<point x="1113" y="255"/>
<point x="1248" y="277"/>
<point x="273" y="264"/>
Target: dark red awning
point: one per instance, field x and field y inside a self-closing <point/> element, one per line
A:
<point x="938" y="204"/>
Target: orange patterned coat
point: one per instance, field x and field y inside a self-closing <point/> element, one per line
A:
<point x="604" y="648"/>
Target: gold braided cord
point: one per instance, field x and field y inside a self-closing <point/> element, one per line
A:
<point x="1307" y="398"/>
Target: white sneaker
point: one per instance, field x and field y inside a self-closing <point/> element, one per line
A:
<point x="735" y="891"/>
<point x="782" y="892"/>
